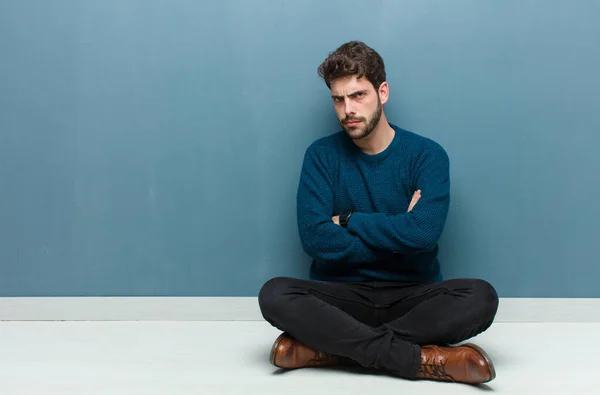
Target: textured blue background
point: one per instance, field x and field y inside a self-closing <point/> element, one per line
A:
<point x="154" y="147"/>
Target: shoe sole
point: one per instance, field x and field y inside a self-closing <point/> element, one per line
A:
<point x="274" y="348"/>
<point x="487" y="358"/>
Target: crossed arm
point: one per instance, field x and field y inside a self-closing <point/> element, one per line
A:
<point x="415" y="198"/>
<point x="371" y="236"/>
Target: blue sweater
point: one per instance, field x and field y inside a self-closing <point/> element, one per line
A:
<point x="382" y="241"/>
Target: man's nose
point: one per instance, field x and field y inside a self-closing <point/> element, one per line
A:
<point x="349" y="108"/>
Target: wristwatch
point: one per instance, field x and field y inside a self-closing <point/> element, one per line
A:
<point x="345" y="217"/>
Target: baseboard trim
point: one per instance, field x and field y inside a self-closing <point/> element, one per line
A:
<point x="247" y="309"/>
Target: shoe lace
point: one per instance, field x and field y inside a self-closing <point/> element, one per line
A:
<point x="321" y="358"/>
<point x="432" y="369"/>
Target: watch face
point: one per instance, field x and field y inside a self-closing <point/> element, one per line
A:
<point x="344" y="217"/>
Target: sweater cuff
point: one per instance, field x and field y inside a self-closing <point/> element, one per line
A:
<point x="356" y="222"/>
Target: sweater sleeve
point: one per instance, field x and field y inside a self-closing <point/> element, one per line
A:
<point x="420" y="229"/>
<point x="321" y="238"/>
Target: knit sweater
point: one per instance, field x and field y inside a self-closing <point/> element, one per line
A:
<point x="383" y="241"/>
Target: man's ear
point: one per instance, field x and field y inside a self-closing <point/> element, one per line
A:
<point x="384" y="92"/>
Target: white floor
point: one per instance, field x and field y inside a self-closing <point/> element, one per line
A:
<point x="201" y="358"/>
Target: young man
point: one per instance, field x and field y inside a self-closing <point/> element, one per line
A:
<point x="372" y="203"/>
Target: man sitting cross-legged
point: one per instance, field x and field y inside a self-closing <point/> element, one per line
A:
<point x="372" y="203"/>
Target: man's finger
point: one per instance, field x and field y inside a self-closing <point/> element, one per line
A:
<point x="415" y="198"/>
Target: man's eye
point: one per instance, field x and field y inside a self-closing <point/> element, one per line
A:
<point x="360" y="95"/>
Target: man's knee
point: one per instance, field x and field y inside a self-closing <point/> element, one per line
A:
<point x="486" y="297"/>
<point x="479" y="296"/>
<point x="271" y="295"/>
<point x="480" y="303"/>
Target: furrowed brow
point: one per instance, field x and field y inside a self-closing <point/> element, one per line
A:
<point x="356" y="93"/>
<point x="352" y="94"/>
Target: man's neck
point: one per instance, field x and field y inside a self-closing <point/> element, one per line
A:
<point x="378" y="140"/>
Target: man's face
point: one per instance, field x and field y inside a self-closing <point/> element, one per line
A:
<point x="357" y="105"/>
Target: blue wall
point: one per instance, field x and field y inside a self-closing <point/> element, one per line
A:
<point x="154" y="147"/>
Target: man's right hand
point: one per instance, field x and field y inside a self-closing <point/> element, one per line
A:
<point x="415" y="199"/>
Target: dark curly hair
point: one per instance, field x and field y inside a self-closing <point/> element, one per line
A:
<point x="352" y="58"/>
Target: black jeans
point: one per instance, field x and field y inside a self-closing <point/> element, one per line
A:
<point x="379" y="324"/>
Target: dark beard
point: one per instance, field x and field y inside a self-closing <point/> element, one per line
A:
<point x="370" y="125"/>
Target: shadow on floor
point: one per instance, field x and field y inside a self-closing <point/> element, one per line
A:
<point x="359" y="370"/>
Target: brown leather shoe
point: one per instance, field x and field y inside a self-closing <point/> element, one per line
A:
<point x="467" y="363"/>
<point x="289" y="353"/>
